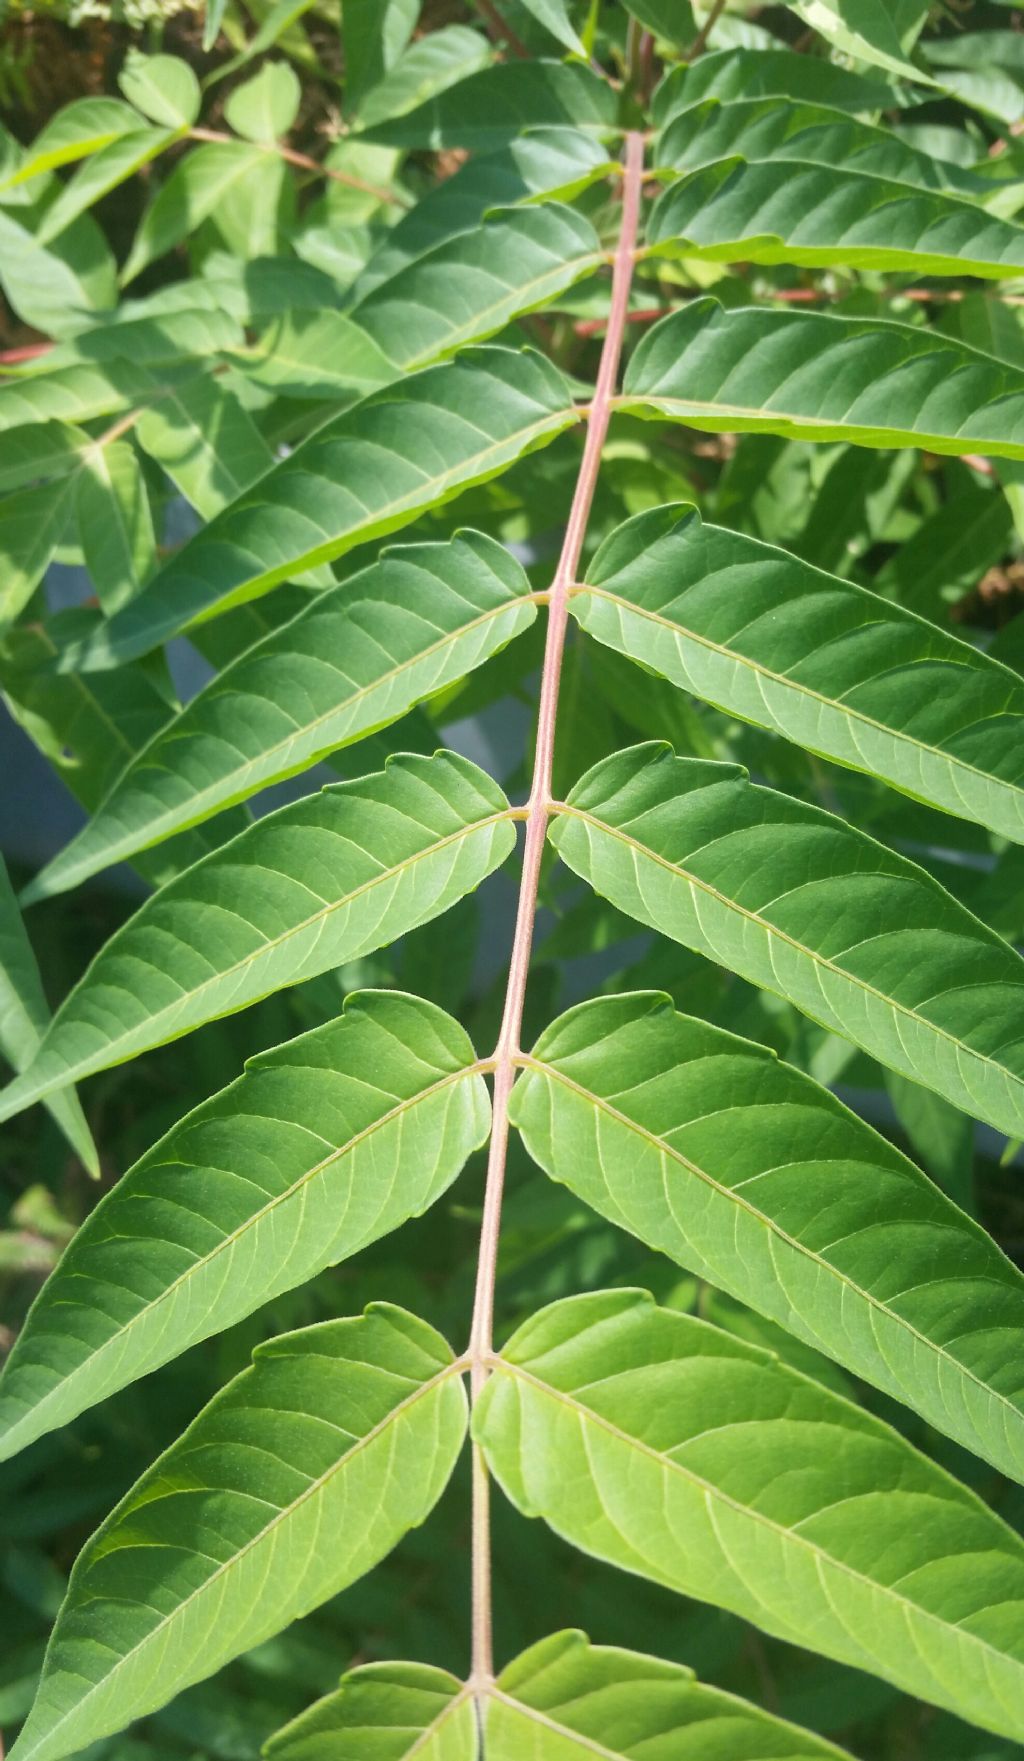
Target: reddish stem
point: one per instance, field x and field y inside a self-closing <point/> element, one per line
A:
<point x="500" y="29"/>
<point x="305" y="163"/>
<point x="700" y="41"/>
<point x="508" y="1049"/>
<point x="9" y="357"/>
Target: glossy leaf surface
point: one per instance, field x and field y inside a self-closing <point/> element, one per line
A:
<point x="566" y="1699"/>
<point x="293" y="1482"/>
<point x="814" y="377"/>
<point x="805" y="905"/>
<point x="370" y="471"/>
<point x="323" y="1145"/>
<point x="752" y="1176"/>
<point x="666" y="1447"/>
<point x="783" y="211"/>
<point x="385" y="1712"/>
<point x="317" y="883"/>
<point x="804" y="654"/>
<point x="355" y="659"/>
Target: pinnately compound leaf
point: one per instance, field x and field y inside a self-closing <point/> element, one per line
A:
<point x="402" y="451"/>
<point x="323" y="1145"/>
<point x="673" y="1450"/>
<point x="386" y="1711"/>
<point x="320" y="882"/>
<point x="802" y="904"/>
<point x="836" y="669"/>
<point x="810" y="376"/>
<point x="752" y="1176"/>
<point x="295" y="1480"/>
<point x="356" y="658"/>
<point x="568" y="1700"/>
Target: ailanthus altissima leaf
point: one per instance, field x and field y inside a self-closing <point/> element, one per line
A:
<point x="390" y="1710"/>
<point x="832" y="667"/>
<point x="544" y="163"/>
<point x="75" y="132"/>
<point x="497" y="104"/>
<point x="292" y="1483"/>
<point x="206" y="441"/>
<point x="732" y="74"/>
<point x="783" y="211"/>
<point x="754" y="1177"/>
<point x="355" y="659"/>
<point x="568" y="1700"/>
<point x="320" y="882"/>
<point x="25" y="1016"/>
<point x="323" y="1145"/>
<point x="800" y="903"/>
<point x="372" y="470"/>
<point x="811" y="376"/>
<point x="864" y="29"/>
<point x="667" y="1447"/>
<point x="474" y="284"/>
<point x="778" y="130"/>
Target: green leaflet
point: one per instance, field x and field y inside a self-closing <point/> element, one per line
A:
<point x="206" y="441"/>
<point x="788" y="212"/>
<point x="372" y="470"/>
<point x="568" y="1700"/>
<point x="374" y="36"/>
<point x="115" y="524"/>
<point x="75" y="132"/>
<point x="750" y="1175"/>
<point x="32" y="524"/>
<point x="292" y="1483"/>
<point x="670" y="19"/>
<point x="473" y="285"/>
<point x="863" y="29"/>
<point x="388" y="1711"/>
<point x="777" y="129"/>
<point x="804" y="654"/>
<point x="25" y="1016"/>
<point x="731" y="74"/>
<point x="424" y="70"/>
<point x="60" y="287"/>
<point x="73" y="394"/>
<point x="90" y="728"/>
<point x="104" y="171"/>
<point x="554" y="16"/>
<point x="810" y="376"/>
<point x="562" y="1700"/>
<point x="323" y="1145"/>
<point x="317" y="354"/>
<point x="802" y="904"/>
<point x="163" y="87"/>
<point x="41" y="449"/>
<point x="355" y="659"/>
<point x="116" y="366"/>
<point x="546" y="162"/>
<point x="654" y="1441"/>
<point x="318" y="883"/>
<point x="265" y="107"/>
<point x="497" y="104"/>
<point x="202" y="184"/>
